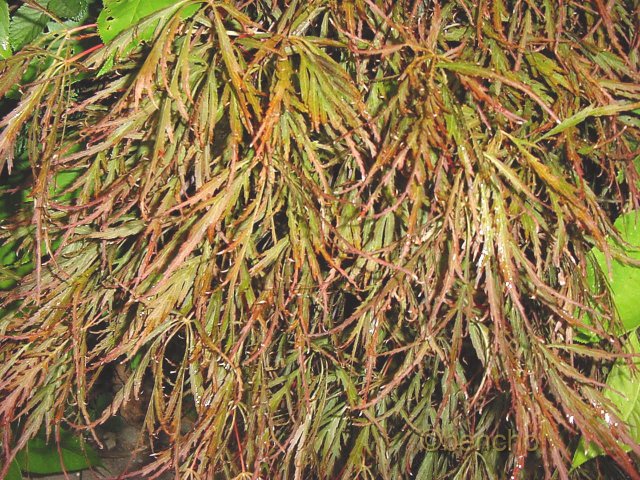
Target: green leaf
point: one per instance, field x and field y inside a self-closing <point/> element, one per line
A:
<point x="26" y="24"/>
<point x="587" y="112"/>
<point x="118" y="15"/>
<point x="624" y="283"/>
<point x="14" y="472"/>
<point x="480" y="340"/>
<point x="126" y="229"/>
<point x="624" y="393"/>
<point x="44" y="458"/>
<point x="624" y="280"/>
<point x="5" y="45"/>
<point x="71" y="9"/>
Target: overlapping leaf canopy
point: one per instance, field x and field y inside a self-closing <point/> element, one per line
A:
<point x="327" y="231"/>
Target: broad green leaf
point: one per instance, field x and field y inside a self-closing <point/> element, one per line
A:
<point x="118" y="15"/>
<point x="63" y="180"/>
<point x="624" y="283"/>
<point x="13" y="264"/>
<point x="72" y="9"/>
<point x="14" y="472"/>
<point x="624" y="392"/>
<point x="26" y="24"/>
<point x="44" y="458"/>
<point x="624" y="280"/>
<point x="5" y="45"/>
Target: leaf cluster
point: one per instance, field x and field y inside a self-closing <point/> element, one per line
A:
<point x="326" y="230"/>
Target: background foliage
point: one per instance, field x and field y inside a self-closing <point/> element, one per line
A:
<point x="323" y="231"/>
